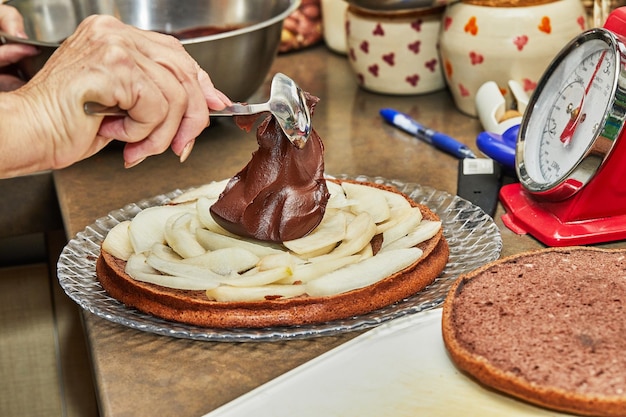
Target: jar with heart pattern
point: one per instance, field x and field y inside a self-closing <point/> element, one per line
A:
<point x="395" y="52"/>
<point x="502" y="40"/>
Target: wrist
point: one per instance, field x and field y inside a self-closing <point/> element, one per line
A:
<point x="23" y="150"/>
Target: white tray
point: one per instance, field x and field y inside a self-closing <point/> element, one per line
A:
<point x="398" y="369"/>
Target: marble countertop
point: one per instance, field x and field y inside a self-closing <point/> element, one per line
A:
<point x="142" y="374"/>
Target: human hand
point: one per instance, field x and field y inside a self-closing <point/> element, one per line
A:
<point x="11" y="22"/>
<point x="165" y="92"/>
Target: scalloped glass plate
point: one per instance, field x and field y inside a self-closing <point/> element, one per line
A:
<point x="472" y="235"/>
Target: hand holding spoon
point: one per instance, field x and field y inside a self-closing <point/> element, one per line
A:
<point x="287" y="103"/>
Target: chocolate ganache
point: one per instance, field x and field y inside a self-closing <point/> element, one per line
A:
<point x="281" y="193"/>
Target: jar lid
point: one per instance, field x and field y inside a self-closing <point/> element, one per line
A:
<point x="395" y="5"/>
<point x="507" y="3"/>
<point x="396" y="14"/>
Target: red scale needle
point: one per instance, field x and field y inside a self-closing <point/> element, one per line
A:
<point x="572" y="123"/>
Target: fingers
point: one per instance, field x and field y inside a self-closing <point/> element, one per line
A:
<point x="186" y="93"/>
<point x="9" y="82"/>
<point x="164" y="92"/>
<point x="163" y="108"/>
<point x="195" y="82"/>
<point x="11" y="22"/>
<point x="215" y="99"/>
<point x="183" y="142"/>
<point x="154" y="100"/>
<point x="12" y="53"/>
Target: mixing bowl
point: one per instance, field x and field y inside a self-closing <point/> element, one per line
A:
<point x="235" y="41"/>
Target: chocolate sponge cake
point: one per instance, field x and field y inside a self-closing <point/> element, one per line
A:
<point x="548" y="327"/>
<point x="195" y="308"/>
<point x="273" y="246"/>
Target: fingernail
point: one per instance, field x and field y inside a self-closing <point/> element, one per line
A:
<point x="132" y="164"/>
<point x="224" y="98"/>
<point x="186" y="151"/>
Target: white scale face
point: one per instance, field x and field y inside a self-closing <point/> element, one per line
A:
<point x="567" y="119"/>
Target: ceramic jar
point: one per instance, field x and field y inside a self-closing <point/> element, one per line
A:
<point x="395" y="52"/>
<point x="333" y="25"/>
<point x="502" y="40"/>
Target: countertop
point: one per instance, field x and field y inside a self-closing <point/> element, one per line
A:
<point x="142" y="374"/>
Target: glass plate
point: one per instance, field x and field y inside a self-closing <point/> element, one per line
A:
<point x="472" y="235"/>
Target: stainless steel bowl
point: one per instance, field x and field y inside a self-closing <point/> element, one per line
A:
<point x="237" y="60"/>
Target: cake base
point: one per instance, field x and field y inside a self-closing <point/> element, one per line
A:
<point x="193" y="307"/>
<point x="545" y="326"/>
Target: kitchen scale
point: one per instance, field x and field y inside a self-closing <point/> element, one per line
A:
<point x="570" y="154"/>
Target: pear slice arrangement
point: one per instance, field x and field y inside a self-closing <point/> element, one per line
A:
<point x="180" y="246"/>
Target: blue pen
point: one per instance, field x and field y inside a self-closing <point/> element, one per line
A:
<point x="437" y="139"/>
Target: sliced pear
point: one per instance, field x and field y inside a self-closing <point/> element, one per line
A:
<point x="316" y="253"/>
<point x="337" y="198"/>
<point x="304" y="273"/>
<point x="181" y="269"/>
<point x="330" y="231"/>
<point x="212" y="241"/>
<point x="211" y="190"/>
<point x="359" y="233"/>
<point x="398" y="215"/>
<point x="402" y="228"/>
<point x="277" y="260"/>
<point x="203" y="206"/>
<point x="426" y="230"/>
<point x="180" y="235"/>
<point x="366" y="252"/>
<point x="137" y="268"/>
<point x="364" y="273"/>
<point x="369" y="199"/>
<point x="165" y="252"/>
<point x="148" y="226"/>
<point x="334" y="189"/>
<point x="255" y="277"/>
<point x="200" y="254"/>
<point x="395" y="200"/>
<point x="225" y="261"/>
<point x="227" y="293"/>
<point x="117" y="241"/>
<point x="137" y="264"/>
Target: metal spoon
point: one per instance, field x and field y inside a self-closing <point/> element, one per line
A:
<point x="5" y="38"/>
<point x="287" y="103"/>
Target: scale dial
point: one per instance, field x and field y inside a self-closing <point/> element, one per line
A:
<point x="574" y="117"/>
<point x="571" y="148"/>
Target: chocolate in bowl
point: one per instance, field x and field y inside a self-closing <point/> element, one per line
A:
<point x="238" y="59"/>
<point x="201" y="31"/>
